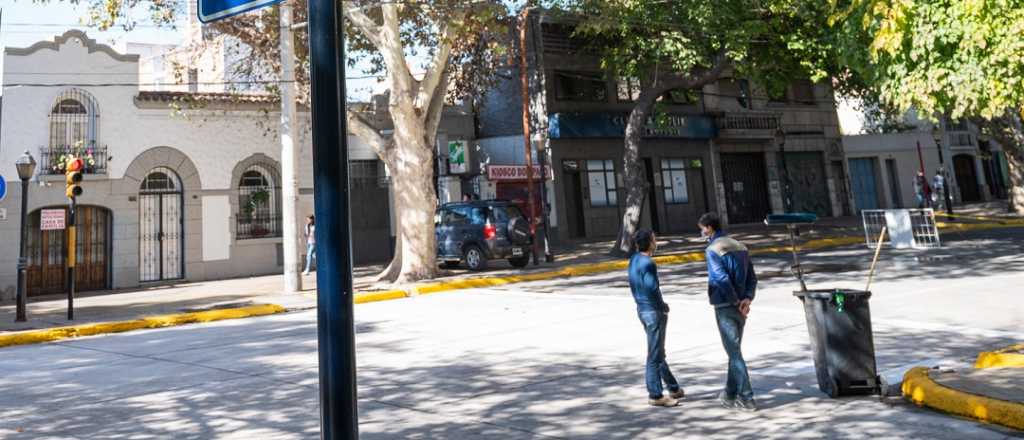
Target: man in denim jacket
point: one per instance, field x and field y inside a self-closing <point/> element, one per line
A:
<point x="653" y="313"/>
<point x="732" y="284"/>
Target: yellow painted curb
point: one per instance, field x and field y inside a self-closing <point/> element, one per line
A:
<point x="74" y="331"/>
<point x="922" y="390"/>
<point x="387" y="295"/>
<point x="1009" y="357"/>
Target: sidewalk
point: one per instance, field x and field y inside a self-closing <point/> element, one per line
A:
<point x="993" y="395"/>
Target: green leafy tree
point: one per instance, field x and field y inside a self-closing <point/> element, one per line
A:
<point x="686" y="44"/>
<point x="960" y="58"/>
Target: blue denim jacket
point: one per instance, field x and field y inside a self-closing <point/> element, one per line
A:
<point x="643" y="282"/>
<point x="731" y="276"/>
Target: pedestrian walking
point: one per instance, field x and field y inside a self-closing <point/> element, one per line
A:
<point x="938" y="188"/>
<point x="731" y="288"/>
<point x="653" y="313"/>
<point x="310" y="232"/>
<point x="921" y="191"/>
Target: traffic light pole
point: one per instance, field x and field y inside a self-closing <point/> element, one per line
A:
<point x="339" y="419"/>
<point x="72" y="255"/>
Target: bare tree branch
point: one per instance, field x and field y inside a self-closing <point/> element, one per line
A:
<point x="438" y="68"/>
<point x="365" y="131"/>
<point x="436" y="110"/>
<point x="365" y="24"/>
<point x="394" y="56"/>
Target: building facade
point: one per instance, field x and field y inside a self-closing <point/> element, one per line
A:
<point x="883" y="166"/>
<point x="727" y="147"/>
<point x="178" y="185"/>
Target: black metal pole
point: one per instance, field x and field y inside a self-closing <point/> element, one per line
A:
<point x="72" y="259"/>
<point x="786" y="199"/>
<point x="335" y="324"/>
<point x="21" y="315"/>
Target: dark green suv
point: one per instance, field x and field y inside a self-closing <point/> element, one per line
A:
<point x="479" y="231"/>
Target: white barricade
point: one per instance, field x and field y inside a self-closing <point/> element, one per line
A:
<point x="907" y="228"/>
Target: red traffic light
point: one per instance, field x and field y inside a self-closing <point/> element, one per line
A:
<point x="75" y="165"/>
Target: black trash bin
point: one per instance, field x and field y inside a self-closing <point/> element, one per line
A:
<point x="839" y="323"/>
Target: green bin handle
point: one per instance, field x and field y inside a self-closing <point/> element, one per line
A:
<point x="840" y="299"/>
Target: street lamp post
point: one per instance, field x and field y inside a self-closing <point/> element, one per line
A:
<point x="26" y="166"/>
<point x="937" y="135"/>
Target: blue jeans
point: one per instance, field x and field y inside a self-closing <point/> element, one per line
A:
<point x="657" y="368"/>
<point x="730" y="327"/>
<point x="310" y="255"/>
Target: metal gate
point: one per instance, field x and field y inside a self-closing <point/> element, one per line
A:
<point x="371" y="225"/>
<point x="746" y="194"/>
<point x="808" y="184"/>
<point x="865" y="188"/>
<point x="161" y="241"/>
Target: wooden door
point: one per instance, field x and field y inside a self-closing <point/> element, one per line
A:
<point x="47" y="253"/>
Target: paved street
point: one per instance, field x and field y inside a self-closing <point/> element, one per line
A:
<point x="553" y="359"/>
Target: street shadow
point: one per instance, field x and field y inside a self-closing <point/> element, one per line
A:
<point x="185" y="388"/>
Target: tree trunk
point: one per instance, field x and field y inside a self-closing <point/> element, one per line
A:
<point x="633" y="171"/>
<point x="415" y="200"/>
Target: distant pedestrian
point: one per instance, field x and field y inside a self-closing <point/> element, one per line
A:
<point x="731" y="288"/>
<point x="653" y="313"/>
<point x="938" y="188"/>
<point x="310" y="233"/>
<point x="921" y="190"/>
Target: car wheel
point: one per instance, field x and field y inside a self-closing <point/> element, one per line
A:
<point x="474" y="257"/>
<point x="519" y="262"/>
<point x="449" y="264"/>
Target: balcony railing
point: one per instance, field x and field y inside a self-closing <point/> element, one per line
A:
<point x="53" y="159"/>
<point x="745" y="121"/>
<point x="258" y="226"/>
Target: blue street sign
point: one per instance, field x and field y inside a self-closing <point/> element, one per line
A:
<point x="3" y="188"/>
<point x="213" y="10"/>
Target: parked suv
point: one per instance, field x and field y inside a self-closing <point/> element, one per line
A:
<point x="479" y="231"/>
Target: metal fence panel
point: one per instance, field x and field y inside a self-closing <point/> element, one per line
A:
<point x="926" y="232"/>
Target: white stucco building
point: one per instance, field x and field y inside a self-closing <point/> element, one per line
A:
<point x="168" y="195"/>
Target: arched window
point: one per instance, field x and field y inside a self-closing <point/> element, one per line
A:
<point x="74" y="120"/>
<point x="259" y="199"/>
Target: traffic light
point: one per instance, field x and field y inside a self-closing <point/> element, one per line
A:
<point x="73" y="177"/>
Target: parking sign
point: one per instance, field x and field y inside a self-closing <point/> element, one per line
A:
<point x="213" y="10"/>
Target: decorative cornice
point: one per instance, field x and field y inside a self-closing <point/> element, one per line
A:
<point x="90" y="44"/>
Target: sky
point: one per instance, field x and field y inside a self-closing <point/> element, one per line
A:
<point x="25" y="23"/>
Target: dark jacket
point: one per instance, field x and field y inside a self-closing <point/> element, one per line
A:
<point x="731" y="276"/>
<point x="643" y="282"/>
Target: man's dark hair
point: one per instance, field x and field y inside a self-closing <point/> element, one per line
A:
<point x="643" y="239"/>
<point x="711" y="220"/>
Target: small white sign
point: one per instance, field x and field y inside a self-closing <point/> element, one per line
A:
<point x="51" y="220"/>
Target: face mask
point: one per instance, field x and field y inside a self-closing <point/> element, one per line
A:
<point x="704" y="236"/>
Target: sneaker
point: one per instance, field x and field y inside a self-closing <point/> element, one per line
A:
<point x="663" y="401"/>
<point x="726" y="401"/>
<point x="677" y="394"/>
<point x="305" y="272"/>
<point x="746" y="405"/>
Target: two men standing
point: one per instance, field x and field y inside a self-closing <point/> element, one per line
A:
<point x="731" y="288"/>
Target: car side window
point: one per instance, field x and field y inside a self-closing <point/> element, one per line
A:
<point x="500" y="215"/>
<point x="479" y="216"/>
<point x="452" y="217"/>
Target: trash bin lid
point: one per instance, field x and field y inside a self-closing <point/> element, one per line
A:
<point x="827" y="294"/>
<point x="790" y="218"/>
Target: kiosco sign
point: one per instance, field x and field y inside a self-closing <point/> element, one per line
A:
<point x="513" y="172"/>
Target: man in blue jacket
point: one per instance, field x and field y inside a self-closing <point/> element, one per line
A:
<point x="653" y="313"/>
<point x="731" y="288"/>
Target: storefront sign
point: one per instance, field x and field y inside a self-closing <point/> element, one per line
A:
<point x="497" y="173"/>
<point x="590" y="125"/>
<point x="457" y="157"/>
<point x="51" y="220"/>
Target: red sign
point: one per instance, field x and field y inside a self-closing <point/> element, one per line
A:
<point x="497" y="173"/>
<point x="51" y="220"/>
